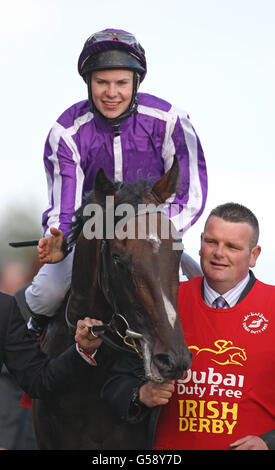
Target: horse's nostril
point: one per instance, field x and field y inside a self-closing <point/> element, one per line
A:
<point x="171" y="365"/>
<point x="162" y="360"/>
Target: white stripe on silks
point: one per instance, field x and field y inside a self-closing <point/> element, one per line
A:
<point x="154" y="112"/>
<point x="49" y="186"/>
<point x="79" y="172"/>
<point x="168" y="150"/>
<point x="81" y="120"/>
<point x="118" y="161"/>
<point x="184" y="218"/>
<point x="168" y="147"/>
<point x="55" y="187"/>
<point x="67" y="136"/>
<point x="77" y="158"/>
<point x="195" y="197"/>
<point x="54" y="190"/>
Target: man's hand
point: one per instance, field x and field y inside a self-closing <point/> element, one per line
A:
<point x="249" y="443"/>
<point x="49" y="248"/>
<point x="84" y="338"/>
<point x="153" y="394"/>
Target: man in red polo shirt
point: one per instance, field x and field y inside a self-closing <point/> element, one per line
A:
<point x="226" y="399"/>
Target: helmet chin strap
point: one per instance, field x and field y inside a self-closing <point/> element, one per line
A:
<point x="127" y="113"/>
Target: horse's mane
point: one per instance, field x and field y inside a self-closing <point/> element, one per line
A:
<point x="130" y="193"/>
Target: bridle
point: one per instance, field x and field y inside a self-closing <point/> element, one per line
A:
<point x="123" y="331"/>
<point x="118" y="325"/>
<point x="126" y="334"/>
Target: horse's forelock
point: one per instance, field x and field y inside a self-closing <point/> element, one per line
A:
<point x="126" y="193"/>
<point x="133" y="194"/>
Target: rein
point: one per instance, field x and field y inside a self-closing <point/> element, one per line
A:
<point x="128" y="336"/>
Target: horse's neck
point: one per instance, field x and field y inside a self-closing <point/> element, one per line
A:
<point x="85" y="263"/>
<point x="84" y="274"/>
<point x="100" y="308"/>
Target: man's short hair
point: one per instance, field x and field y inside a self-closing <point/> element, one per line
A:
<point x="233" y="212"/>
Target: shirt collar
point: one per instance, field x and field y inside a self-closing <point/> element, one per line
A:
<point x="231" y="296"/>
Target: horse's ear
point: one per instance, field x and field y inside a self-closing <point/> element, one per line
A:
<point x="167" y="184"/>
<point x="103" y="187"/>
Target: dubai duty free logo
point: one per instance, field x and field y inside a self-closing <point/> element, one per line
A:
<point x="255" y="323"/>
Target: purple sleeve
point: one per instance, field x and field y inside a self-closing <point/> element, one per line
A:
<point x="189" y="203"/>
<point x="64" y="179"/>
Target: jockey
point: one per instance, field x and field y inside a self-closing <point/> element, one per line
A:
<point x="131" y="135"/>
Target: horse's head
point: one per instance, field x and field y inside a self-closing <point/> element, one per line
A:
<point x="139" y="269"/>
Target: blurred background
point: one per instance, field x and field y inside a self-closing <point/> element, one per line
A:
<point x="17" y="268"/>
<point x="214" y="59"/>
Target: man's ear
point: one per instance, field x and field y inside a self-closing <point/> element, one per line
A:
<point x="202" y="234"/>
<point x="255" y="252"/>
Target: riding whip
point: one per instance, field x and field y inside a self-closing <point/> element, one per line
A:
<point x="24" y="243"/>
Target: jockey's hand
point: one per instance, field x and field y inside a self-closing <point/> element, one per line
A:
<point x="153" y="394"/>
<point x="49" y="248"/>
<point x="249" y="443"/>
<point x="84" y="338"/>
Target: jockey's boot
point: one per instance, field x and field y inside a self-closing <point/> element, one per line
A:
<point x="37" y="323"/>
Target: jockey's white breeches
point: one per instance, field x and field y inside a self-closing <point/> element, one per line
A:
<point x="49" y="287"/>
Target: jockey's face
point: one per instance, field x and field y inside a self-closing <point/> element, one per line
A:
<point x="226" y="253"/>
<point x="112" y="91"/>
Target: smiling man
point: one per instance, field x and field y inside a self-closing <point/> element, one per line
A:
<point x="226" y="399"/>
<point x="112" y="91"/>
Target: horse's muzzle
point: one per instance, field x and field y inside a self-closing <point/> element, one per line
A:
<point x="172" y="366"/>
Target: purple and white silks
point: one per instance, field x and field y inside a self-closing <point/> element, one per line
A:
<point x="81" y="142"/>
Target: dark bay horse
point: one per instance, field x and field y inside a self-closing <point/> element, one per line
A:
<point x="131" y="284"/>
